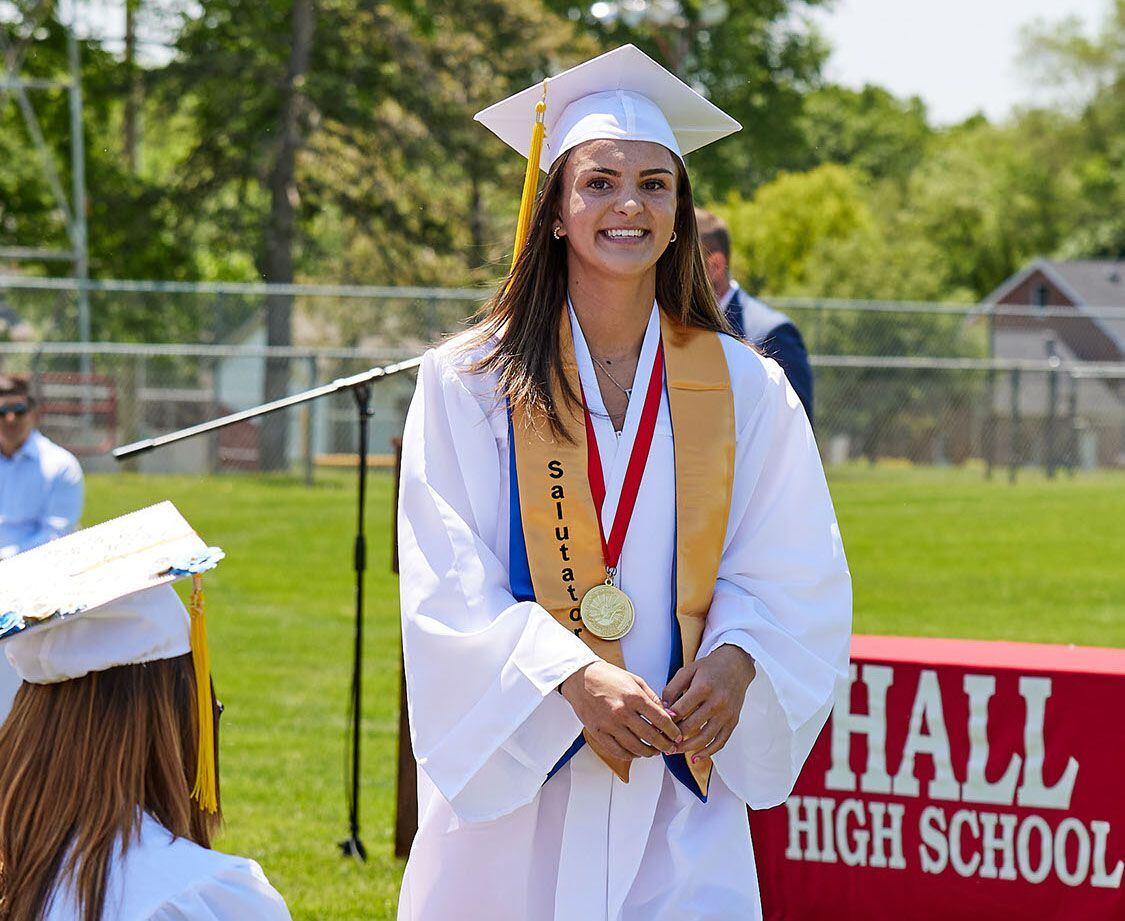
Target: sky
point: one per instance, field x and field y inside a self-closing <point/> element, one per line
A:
<point x="958" y="55"/>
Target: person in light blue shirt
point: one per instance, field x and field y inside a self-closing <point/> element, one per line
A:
<point x="40" y="482"/>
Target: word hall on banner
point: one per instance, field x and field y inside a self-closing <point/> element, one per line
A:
<point x="941" y="788"/>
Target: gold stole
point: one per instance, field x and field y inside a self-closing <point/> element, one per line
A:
<point x="560" y="524"/>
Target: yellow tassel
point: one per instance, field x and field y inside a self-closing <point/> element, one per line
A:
<point x="530" y="178"/>
<point x="205" y="791"/>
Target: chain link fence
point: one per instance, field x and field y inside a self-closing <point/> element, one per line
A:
<point x="94" y="398"/>
<point x="332" y="316"/>
<point x="929" y="384"/>
<point x="380" y="319"/>
<point x="1006" y="414"/>
<point x="947" y="411"/>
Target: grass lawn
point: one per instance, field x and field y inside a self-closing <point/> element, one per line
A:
<point x="932" y="552"/>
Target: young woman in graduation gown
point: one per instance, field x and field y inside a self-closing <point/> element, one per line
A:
<point x="98" y="760"/>
<point x="599" y="433"/>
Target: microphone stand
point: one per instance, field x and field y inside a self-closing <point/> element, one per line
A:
<point x="360" y="386"/>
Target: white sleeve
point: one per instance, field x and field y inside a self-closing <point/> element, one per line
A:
<point x="481" y="667"/>
<point x="783" y="595"/>
<point x="237" y="893"/>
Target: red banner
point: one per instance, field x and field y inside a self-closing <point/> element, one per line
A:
<point x="958" y="779"/>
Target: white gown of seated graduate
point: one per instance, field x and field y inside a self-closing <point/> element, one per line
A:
<point x="495" y="841"/>
<point x="161" y="878"/>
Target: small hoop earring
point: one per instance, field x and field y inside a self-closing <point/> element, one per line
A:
<point x="673" y="237"/>
<point x="555" y="233"/>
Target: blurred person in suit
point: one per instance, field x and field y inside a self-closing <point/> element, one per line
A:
<point x="770" y="330"/>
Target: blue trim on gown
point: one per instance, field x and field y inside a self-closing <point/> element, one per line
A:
<point x="678" y="764"/>
<point x="519" y="570"/>
<point x="519" y="576"/>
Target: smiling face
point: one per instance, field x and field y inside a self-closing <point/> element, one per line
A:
<point x="618" y="206"/>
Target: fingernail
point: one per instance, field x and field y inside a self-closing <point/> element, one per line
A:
<point x="694" y="758"/>
<point x="671" y="712"/>
<point x="679" y="739"/>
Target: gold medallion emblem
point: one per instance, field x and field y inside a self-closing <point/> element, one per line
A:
<point x="607" y="611"/>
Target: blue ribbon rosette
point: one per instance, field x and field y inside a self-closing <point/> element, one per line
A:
<point x="198" y="564"/>
<point x="10" y="622"/>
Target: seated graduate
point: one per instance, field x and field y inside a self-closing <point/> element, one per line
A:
<point x="109" y="788"/>
<point x="625" y="603"/>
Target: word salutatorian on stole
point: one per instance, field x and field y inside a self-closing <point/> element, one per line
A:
<point x="957" y="779"/>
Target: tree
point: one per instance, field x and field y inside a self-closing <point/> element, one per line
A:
<point x="753" y="58"/>
<point x="870" y="129"/>
<point x="1091" y="72"/>
<point x="776" y="233"/>
<point x="1061" y="53"/>
<point x="133" y="232"/>
<point x="347" y="149"/>
<point x="281" y="232"/>
<point x="990" y="202"/>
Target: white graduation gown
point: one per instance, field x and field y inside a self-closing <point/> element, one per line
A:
<point x="160" y="878"/>
<point x="494" y="841"/>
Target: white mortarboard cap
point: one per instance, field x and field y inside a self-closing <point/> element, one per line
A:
<point x="101" y="597"/>
<point x="623" y="94"/>
<point x="146" y="626"/>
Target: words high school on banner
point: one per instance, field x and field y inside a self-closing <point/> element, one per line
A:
<point x="986" y="843"/>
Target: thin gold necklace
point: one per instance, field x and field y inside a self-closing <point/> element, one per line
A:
<point x="628" y="391"/>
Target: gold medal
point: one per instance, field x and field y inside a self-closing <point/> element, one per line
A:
<point x="607" y="611"/>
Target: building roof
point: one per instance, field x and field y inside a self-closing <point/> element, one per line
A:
<point x="1087" y="283"/>
<point x="1097" y="282"/>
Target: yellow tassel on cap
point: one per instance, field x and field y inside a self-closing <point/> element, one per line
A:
<point x="205" y="791"/>
<point x="530" y="177"/>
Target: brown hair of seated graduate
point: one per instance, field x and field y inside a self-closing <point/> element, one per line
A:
<point x="80" y="762"/>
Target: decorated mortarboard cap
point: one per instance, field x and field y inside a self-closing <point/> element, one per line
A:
<point x="621" y="95"/>
<point x="101" y="597"/>
<point x="145" y="626"/>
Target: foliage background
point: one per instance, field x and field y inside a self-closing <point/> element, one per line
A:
<point x="332" y="140"/>
<point x="252" y="148"/>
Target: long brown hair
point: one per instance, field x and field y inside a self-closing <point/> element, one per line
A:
<point x="520" y="322"/>
<point x="80" y="762"/>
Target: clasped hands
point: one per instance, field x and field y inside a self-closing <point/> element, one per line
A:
<point x="697" y="714"/>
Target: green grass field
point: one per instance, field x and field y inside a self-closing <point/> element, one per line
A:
<point x="932" y="552"/>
